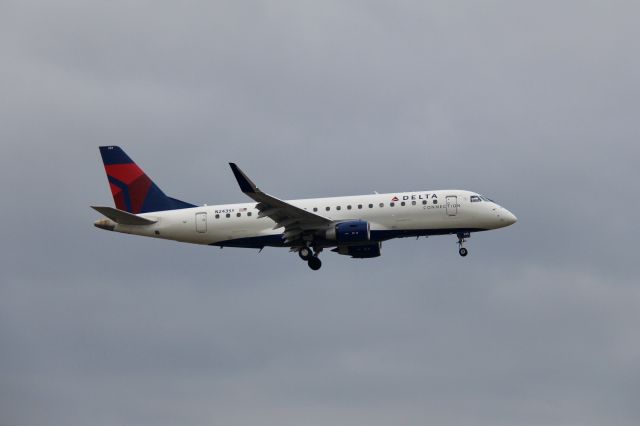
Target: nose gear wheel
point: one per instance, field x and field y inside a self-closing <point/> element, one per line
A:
<point x="461" y="240"/>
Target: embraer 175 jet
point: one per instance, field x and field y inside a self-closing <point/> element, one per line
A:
<point x="352" y="226"/>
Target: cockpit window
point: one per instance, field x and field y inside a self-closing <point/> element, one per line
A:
<point x="476" y="198"/>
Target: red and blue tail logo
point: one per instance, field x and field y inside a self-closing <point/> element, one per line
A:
<point x="133" y="191"/>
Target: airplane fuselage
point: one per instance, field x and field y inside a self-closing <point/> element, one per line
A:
<point x="392" y="215"/>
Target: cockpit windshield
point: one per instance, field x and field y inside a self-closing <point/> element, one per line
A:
<point x="478" y="198"/>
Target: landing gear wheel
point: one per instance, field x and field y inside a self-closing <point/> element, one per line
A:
<point x="305" y="253"/>
<point x="462" y="237"/>
<point x="314" y="263"/>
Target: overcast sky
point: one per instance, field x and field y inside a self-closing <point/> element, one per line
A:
<point x="535" y="104"/>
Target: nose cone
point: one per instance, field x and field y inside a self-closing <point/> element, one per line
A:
<point x="508" y="218"/>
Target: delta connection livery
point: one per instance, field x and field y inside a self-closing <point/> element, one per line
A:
<point x="352" y="226"/>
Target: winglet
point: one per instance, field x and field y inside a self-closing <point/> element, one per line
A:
<point x="245" y="183"/>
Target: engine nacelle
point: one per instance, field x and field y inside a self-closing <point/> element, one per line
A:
<point x="353" y="231"/>
<point x="360" y="251"/>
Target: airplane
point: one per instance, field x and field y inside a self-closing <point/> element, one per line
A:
<point x="353" y="226"/>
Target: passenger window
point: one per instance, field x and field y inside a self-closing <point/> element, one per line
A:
<point x="413" y="203"/>
<point x="238" y="214"/>
<point x="349" y="207"/>
<point x="338" y="208"/>
<point x="392" y="204"/>
<point x="370" y="206"/>
<point x="381" y="204"/>
<point x="359" y="206"/>
<point x="327" y="208"/>
<point x="248" y="213"/>
<point x="424" y="201"/>
<point x="435" y="201"/>
<point x="403" y="204"/>
<point x="315" y="209"/>
<point x="217" y="216"/>
<point x="228" y="215"/>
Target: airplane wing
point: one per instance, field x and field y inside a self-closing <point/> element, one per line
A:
<point x="294" y="219"/>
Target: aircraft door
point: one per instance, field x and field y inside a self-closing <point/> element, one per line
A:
<point x="452" y="205"/>
<point x="201" y="222"/>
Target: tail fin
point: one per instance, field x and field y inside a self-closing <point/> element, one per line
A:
<point x="133" y="191"/>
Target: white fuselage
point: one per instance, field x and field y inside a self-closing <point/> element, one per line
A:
<point x="389" y="215"/>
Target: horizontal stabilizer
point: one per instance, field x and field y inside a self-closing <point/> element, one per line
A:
<point x="122" y="217"/>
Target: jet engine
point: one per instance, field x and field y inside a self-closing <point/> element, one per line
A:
<point x="353" y="231"/>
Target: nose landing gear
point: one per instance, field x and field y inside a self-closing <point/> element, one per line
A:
<point x="461" y="239"/>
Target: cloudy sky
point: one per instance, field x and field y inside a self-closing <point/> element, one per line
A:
<point x="535" y="104"/>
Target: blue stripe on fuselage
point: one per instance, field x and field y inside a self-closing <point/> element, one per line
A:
<point x="277" y="240"/>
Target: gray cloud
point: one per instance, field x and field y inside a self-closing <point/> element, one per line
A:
<point x="534" y="105"/>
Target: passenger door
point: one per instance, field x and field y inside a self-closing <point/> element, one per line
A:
<point x="201" y="222"/>
<point x="452" y="205"/>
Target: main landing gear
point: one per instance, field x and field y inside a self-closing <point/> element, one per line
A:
<point x="310" y="257"/>
<point x="305" y="253"/>
<point x="314" y="263"/>
<point x="461" y="239"/>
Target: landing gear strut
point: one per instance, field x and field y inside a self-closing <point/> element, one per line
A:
<point x="461" y="239"/>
